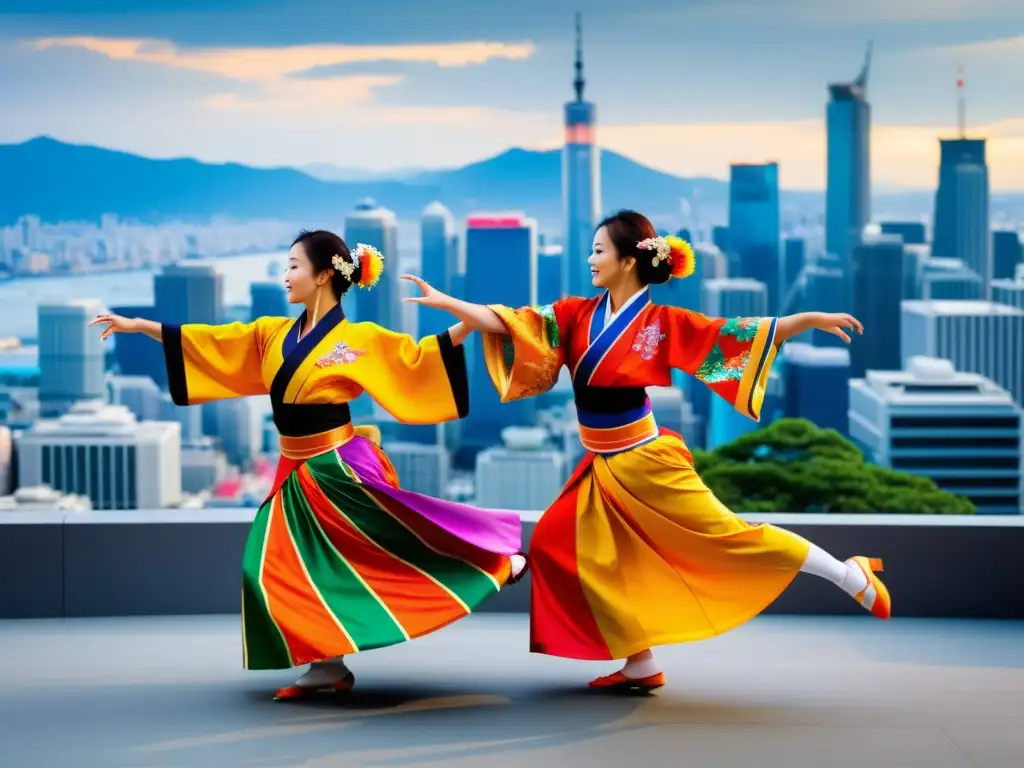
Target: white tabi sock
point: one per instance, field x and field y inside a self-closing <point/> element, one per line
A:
<point x="324" y="674"/>
<point x="643" y="667"/>
<point x="847" y="576"/>
<point x="518" y="563"/>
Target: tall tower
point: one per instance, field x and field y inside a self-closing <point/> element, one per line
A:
<point x="961" y="227"/>
<point x="848" y="185"/>
<point x="581" y="183"/>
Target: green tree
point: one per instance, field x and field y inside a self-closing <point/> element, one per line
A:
<point x="793" y="465"/>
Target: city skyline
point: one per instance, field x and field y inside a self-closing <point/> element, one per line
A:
<point x="265" y="86"/>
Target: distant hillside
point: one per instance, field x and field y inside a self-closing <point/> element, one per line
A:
<point x="64" y="182"/>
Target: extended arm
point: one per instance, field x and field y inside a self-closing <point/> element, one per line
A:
<point x="474" y="317"/>
<point x="118" y="324"/>
<point x="793" y="325"/>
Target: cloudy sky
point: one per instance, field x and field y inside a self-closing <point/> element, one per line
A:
<point x="687" y="86"/>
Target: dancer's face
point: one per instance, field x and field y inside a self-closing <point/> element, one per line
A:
<point x="300" y="278"/>
<point x="607" y="270"/>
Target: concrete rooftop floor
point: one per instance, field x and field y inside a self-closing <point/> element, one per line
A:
<point x="781" y="691"/>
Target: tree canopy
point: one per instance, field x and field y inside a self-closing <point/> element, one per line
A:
<point x="793" y="465"/>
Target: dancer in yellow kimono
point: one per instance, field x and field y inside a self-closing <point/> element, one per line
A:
<point x="339" y="558"/>
<point x="637" y="552"/>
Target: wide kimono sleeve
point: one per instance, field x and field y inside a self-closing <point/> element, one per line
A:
<point x="526" y="360"/>
<point x="732" y="357"/>
<point x="421" y="382"/>
<point x="213" y="362"/>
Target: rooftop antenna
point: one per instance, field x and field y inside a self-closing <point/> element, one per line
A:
<point x="579" y="82"/>
<point x="961" y="104"/>
<point x="862" y="79"/>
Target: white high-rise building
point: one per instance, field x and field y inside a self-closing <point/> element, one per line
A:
<point x="960" y="429"/>
<point x="976" y="336"/>
<point x="103" y="452"/>
<point x="523" y="475"/>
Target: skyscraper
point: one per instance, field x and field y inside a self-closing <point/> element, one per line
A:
<point x="754" y="225"/>
<point x="438" y="262"/>
<point x="189" y="293"/>
<point x="581" y="183"/>
<point x="961" y="206"/>
<point x="877" y="291"/>
<point x="71" y="358"/>
<point x="501" y="267"/>
<point x="848" y="185"/>
<point x="376" y="226"/>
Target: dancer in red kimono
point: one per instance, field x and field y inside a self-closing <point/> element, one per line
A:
<point x="636" y="551"/>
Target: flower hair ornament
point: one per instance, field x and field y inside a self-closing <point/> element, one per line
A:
<point x="675" y="250"/>
<point x="366" y="257"/>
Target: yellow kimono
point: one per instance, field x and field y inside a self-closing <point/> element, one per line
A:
<point x="636" y="551"/>
<point x="339" y="558"/>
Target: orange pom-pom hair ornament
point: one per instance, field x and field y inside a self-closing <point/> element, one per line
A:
<point x="365" y="258"/>
<point x="675" y="250"/>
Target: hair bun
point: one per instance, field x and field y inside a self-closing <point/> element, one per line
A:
<point x="682" y="258"/>
<point x="370" y="263"/>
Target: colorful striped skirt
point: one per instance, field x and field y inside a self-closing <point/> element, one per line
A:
<point x="341" y="560"/>
<point x="637" y="552"/>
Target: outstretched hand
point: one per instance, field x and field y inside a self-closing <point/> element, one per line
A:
<point x="115" y="324"/>
<point x="838" y="324"/>
<point x="430" y="296"/>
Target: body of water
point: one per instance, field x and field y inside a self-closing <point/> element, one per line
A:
<point x="20" y="298"/>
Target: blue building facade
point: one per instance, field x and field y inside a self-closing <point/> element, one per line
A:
<point x="877" y="291"/>
<point x="754" y="225"/>
<point x="501" y="268"/>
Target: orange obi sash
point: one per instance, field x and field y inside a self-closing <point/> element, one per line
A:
<point x="607" y="433"/>
<point x="308" y="446"/>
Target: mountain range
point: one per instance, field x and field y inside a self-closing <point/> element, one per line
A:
<point x="65" y="182"/>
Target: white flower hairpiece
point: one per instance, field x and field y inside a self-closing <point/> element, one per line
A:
<point x="658" y="244"/>
<point x="347" y="268"/>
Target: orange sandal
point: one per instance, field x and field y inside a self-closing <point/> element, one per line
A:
<point x="300" y="692"/>
<point x="874" y="597"/>
<point x="619" y="683"/>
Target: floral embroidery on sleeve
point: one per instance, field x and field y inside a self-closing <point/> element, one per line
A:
<point x="716" y="368"/>
<point x="741" y="328"/>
